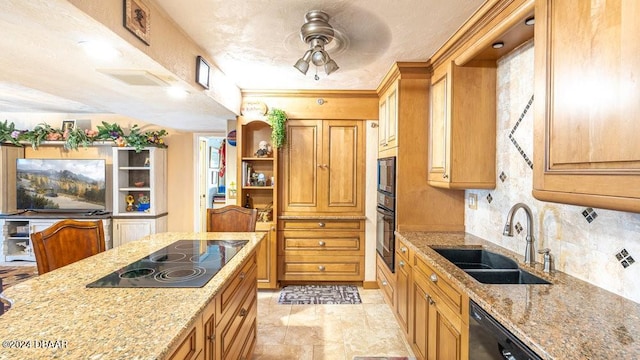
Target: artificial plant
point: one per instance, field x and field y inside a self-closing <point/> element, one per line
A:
<point x="277" y="119"/>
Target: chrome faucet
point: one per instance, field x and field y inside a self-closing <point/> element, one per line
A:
<point x="508" y="231"/>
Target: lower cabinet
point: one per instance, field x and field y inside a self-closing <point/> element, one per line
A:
<point x="403" y="287"/>
<point x="267" y="257"/>
<point x="386" y="281"/>
<point x="321" y="250"/>
<point x="132" y="229"/>
<point x="226" y="328"/>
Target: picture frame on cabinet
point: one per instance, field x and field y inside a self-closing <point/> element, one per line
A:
<point x="68" y="125"/>
<point x="137" y="19"/>
<point x="202" y="72"/>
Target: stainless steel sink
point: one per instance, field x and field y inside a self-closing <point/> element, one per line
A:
<point x="488" y="267"/>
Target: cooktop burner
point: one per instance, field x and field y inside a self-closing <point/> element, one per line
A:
<point x="185" y="263"/>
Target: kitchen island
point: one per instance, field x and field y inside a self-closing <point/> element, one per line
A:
<point x="56" y="316"/>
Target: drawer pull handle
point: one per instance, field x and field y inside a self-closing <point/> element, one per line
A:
<point x="243" y="312"/>
<point x="431" y="302"/>
<point x="321" y="224"/>
<point x="433" y="278"/>
<point x="401" y="263"/>
<point x="403" y="250"/>
<point x="242" y="275"/>
<point x="321" y="243"/>
<point x="321" y="267"/>
<point x="212" y="338"/>
<point x="384" y="283"/>
<point x="445" y="176"/>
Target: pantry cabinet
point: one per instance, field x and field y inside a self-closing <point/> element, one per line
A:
<point x="323" y="168"/>
<point x="462" y="126"/>
<point x="587" y="104"/>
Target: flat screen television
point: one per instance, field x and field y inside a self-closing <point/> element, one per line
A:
<point x="61" y="184"/>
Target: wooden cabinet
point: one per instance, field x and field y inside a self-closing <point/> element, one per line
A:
<point x="388" y="119"/>
<point x="323" y="168"/>
<point x="404" y="277"/>
<point x="262" y="194"/>
<point x="8" y="156"/>
<point x="462" y="126"/>
<point x="226" y="328"/>
<point x="386" y="281"/>
<point x="321" y="250"/>
<point x="587" y="104"/>
<point x="440" y="328"/>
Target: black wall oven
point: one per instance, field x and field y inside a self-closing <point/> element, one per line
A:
<point x="386" y="219"/>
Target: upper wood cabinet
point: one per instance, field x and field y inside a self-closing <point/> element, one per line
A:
<point x="587" y="112"/>
<point x="462" y="126"/>
<point x="388" y="119"/>
<point x="323" y="167"/>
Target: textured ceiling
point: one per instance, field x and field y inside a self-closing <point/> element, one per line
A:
<point x="254" y="42"/>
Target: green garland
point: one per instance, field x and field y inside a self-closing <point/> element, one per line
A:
<point x="77" y="137"/>
<point x="277" y="119"/>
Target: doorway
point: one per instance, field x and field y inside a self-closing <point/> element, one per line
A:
<point x="211" y="175"/>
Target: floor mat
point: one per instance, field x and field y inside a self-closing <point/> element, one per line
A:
<point x="319" y="294"/>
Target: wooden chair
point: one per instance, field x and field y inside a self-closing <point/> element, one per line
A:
<point x="66" y="242"/>
<point x="232" y="218"/>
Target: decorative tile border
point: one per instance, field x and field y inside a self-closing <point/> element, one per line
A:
<point x="513" y="140"/>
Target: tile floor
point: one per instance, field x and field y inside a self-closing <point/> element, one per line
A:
<point x="327" y="332"/>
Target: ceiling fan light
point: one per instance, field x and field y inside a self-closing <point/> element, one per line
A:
<point x="319" y="57"/>
<point x="303" y="63"/>
<point x="330" y="67"/>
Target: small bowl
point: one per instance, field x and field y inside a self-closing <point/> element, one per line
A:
<point x="138" y="183"/>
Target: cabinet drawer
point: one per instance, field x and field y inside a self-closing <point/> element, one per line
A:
<point x="234" y="336"/>
<point x="241" y="283"/>
<point x="191" y="346"/>
<point x="321" y="268"/>
<point x="321" y="224"/>
<point x="449" y="294"/>
<point x="318" y="242"/>
<point x="403" y="251"/>
<point x="385" y="281"/>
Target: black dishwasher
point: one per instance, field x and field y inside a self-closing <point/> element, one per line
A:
<point x="489" y="340"/>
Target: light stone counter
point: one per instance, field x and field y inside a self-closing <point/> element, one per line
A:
<point x="56" y="309"/>
<point x="570" y="319"/>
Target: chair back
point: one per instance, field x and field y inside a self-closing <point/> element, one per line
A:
<point x="232" y="218"/>
<point x="66" y="242"/>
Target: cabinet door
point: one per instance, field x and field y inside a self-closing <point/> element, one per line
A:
<point x="340" y="177"/>
<point x="382" y="124"/>
<point x="267" y="257"/>
<point x="301" y="165"/>
<point x="392" y="118"/>
<point x="131" y="230"/>
<point x="447" y="340"/>
<point x="420" y="334"/>
<point x="403" y="287"/>
<point x="438" y="138"/>
<point x="587" y="103"/>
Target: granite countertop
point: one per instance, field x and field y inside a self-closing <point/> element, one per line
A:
<point x="56" y="309"/>
<point x="570" y="319"/>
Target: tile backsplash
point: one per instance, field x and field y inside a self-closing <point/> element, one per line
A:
<point x="590" y="244"/>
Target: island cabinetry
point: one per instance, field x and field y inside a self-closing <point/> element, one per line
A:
<point x="388" y="118"/>
<point x="587" y="104"/>
<point x="139" y="193"/>
<point x="191" y="345"/>
<point x="462" y="126"/>
<point x="440" y="315"/>
<point x="8" y="156"/>
<point x="323" y="168"/>
<point x="321" y="250"/>
<point x="258" y="179"/>
<point x="236" y="312"/>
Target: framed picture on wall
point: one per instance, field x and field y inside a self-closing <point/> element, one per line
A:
<point x="214" y="158"/>
<point x="137" y="19"/>
<point x="203" y="71"/>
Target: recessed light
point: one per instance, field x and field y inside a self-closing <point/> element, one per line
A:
<point x="497" y="45"/>
<point x="99" y="50"/>
<point x="177" y="92"/>
<point x="530" y="21"/>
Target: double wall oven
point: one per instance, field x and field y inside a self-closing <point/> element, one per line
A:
<point x="386" y="219"/>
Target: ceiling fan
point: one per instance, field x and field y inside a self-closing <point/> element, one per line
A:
<point x="317" y="33"/>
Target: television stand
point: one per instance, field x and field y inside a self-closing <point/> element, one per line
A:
<point x="15" y="239"/>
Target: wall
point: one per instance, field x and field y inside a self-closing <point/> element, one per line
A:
<point x="580" y="248"/>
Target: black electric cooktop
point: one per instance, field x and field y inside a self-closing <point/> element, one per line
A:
<point x="183" y="264"/>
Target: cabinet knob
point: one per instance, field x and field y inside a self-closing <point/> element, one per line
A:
<point x="445" y="176"/>
<point x="243" y="312"/>
<point x="431" y="302"/>
<point x="433" y="277"/>
<point x="211" y="338"/>
<point x="321" y="267"/>
<point x="321" y="224"/>
<point x="242" y="275"/>
<point x="403" y="250"/>
<point x="401" y="263"/>
<point x="384" y="283"/>
<point x="321" y="243"/>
